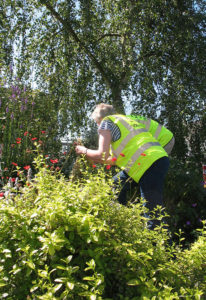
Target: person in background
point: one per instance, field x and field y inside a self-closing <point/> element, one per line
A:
<point x="136" y="146"/>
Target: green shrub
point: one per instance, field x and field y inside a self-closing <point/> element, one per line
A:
<point x="65" y="239"/>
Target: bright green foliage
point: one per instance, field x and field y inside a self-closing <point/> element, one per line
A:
<point x="70" y="240"/>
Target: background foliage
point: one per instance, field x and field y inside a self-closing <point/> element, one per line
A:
<point x="28" y="118"/>
<point x="143" y="56"/>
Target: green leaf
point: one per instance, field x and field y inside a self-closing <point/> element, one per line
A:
<point x="70" y="285"/>
<point x="57" y="287"/>
<point x="134" y="282"/>
<point x="90" y="278"/>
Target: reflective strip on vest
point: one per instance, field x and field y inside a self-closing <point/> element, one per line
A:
<point x="125" y="141"/>
<point x="138" y="153"/>
<point x="157" y="132"/>
<point x="146" y="122"/>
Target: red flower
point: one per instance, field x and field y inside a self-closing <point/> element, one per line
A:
<point x="54" y="161"/>
<point x="1" y="194"/>
<point x="13" y="163"/>
<point x="18" y="142"/>
<point x="27" y="167"/>
<point x="18" y="139"/>
<point x="13" y="179"/>
<point x="25" y="133"/>
<point x="122" y="154"/>
<point x="65" y="153"/>
<point x="108" y="167"/>
<point x="114" y="158"/>
<point x="139" y="164"/>
<point x="2" y="177"/>
<point x="43" y="131"/>
<point x="93" y="166"/>
<point x="143" y="154"/>
<point x="33" y="139"/>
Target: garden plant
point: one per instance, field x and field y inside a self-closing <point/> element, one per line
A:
<point x="70" y="239"/>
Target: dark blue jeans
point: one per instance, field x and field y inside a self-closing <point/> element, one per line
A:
<point x="151" y="184"/>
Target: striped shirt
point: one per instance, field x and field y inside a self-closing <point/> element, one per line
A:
<point x="114" y="129"/>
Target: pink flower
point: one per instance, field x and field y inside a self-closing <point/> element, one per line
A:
<point x="25" y="133"/>
<point x="13" y="179"/>
<point x="43" y="131"/>
<point x="114" y="158"/>
<point x="108" y="167"/>
<point x="122" y="154"/>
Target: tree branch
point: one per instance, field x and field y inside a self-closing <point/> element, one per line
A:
<point x="70" y="30"/>
<point x="108" y="34"/>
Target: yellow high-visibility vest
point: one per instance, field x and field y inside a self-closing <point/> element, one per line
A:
<point x="160" y="132"/>
<point x="136" y="149"/>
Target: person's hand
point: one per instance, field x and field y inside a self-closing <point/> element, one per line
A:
<point x="80" y="149"/>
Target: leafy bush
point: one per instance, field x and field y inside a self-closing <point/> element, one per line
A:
<point x="65" y="239"/>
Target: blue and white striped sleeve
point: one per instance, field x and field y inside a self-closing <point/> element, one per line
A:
<point x="114" y="129"/>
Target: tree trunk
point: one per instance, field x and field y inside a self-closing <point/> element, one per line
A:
<point x="117" y="98"/>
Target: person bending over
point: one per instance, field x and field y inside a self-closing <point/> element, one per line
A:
<point x="139" y="146"/>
